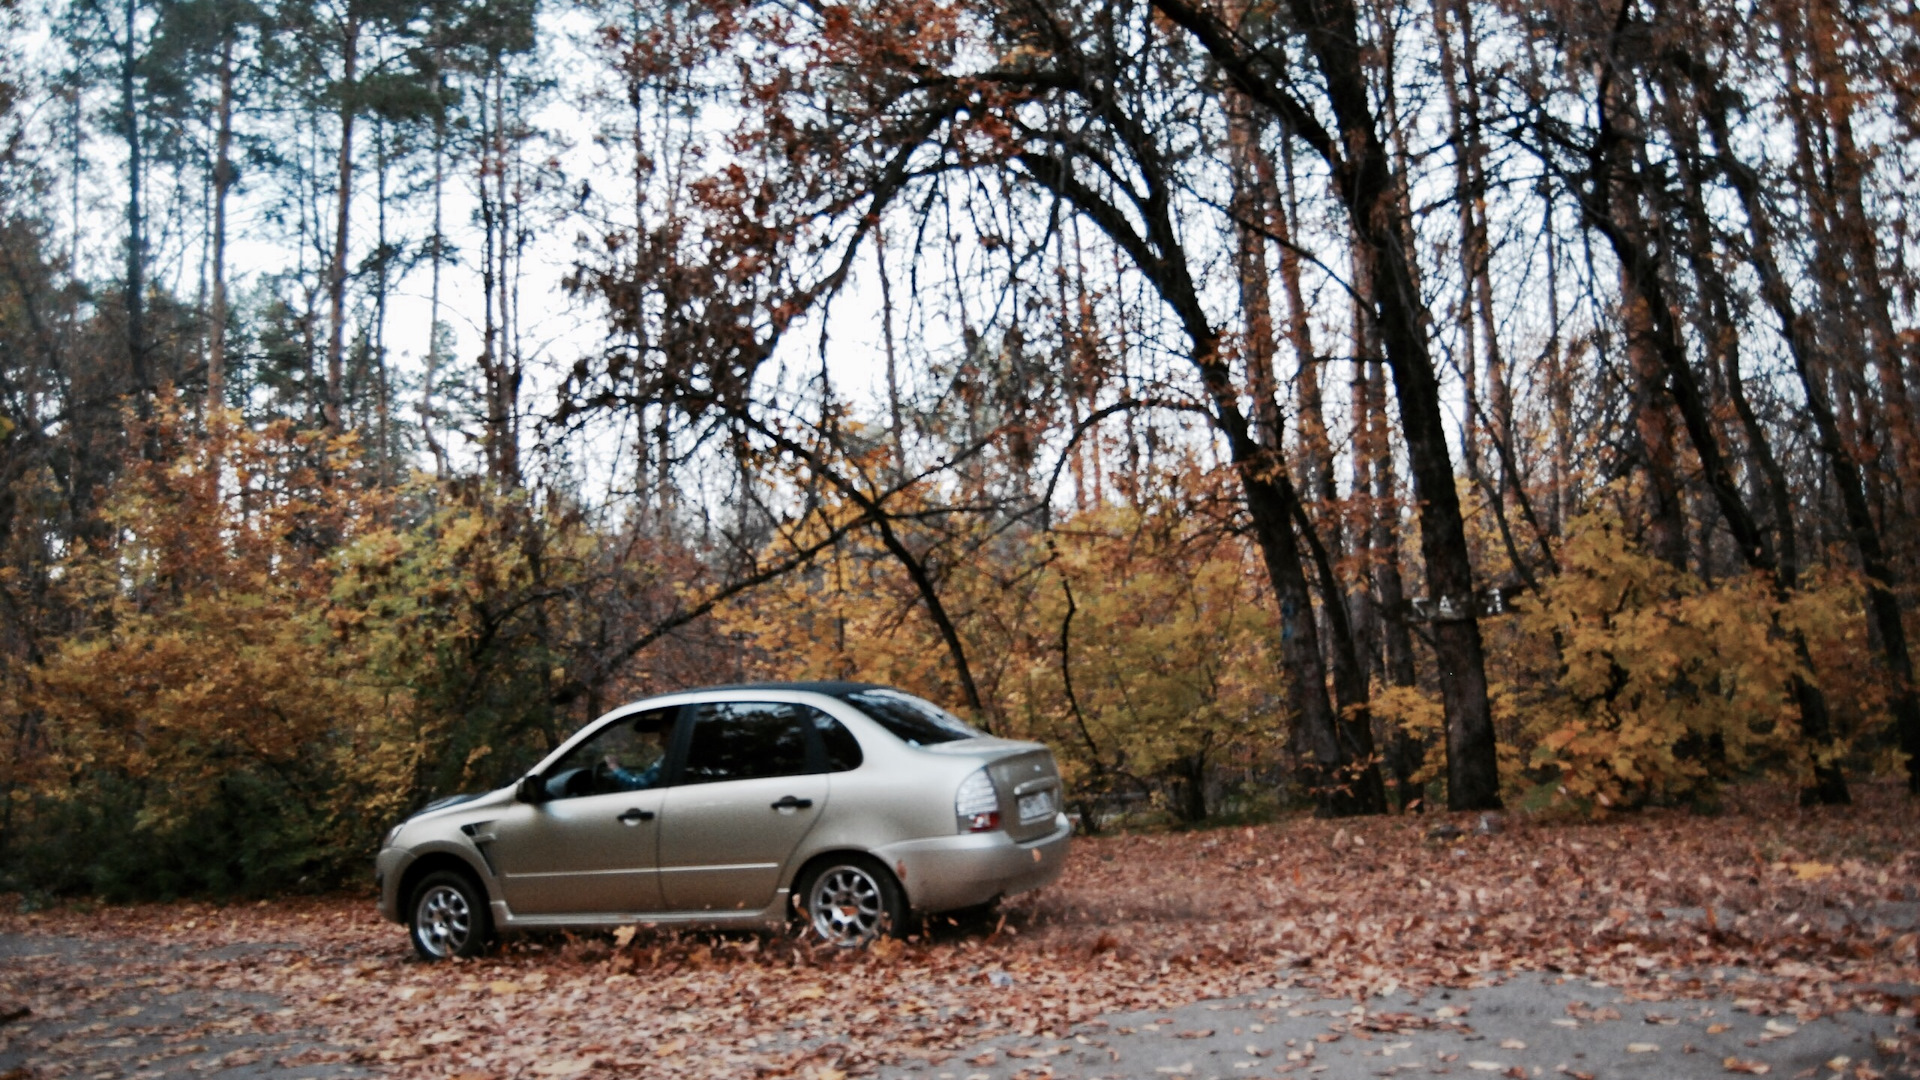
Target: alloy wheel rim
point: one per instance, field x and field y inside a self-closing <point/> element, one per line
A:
<point x="846" y="906"/>
<point x="444" y="920"/>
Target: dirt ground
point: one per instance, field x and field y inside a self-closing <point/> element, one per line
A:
<point x="1785" y="917"/>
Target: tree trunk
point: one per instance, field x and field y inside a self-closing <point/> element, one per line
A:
<point x="342" y="219"/>
<point x="1251" y="213"/>
<point x="896" y="427"/>
<point x="1653" y="430"/>
<point x="1722" y="337"/>
<point x="222" y="185"/>
<point x="382" y="386"/>
<point x="499" y="349"/>
<point x="1861" y="248"/>
<point x="1612" y="209"/>
<point x="433" y="304"/>
<point x="1366" y="187"/>
<point x="1473" y="778"/>
<point x="1338" y="781"/>
<point x="1316" y="452"/>
<point x="136" y="283"/>
<point x="1883" y="584"/>
<point x="1407" y="753"/>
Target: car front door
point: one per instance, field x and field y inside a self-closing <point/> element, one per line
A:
<point x="592" y="846"/>
<point x="750" y="787"/>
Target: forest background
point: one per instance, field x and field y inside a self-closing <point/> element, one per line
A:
<point x="1363" y="405"/>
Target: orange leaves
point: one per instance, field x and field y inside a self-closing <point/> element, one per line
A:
<point x="208" y="663"/>
<point x="1139" y="921"/>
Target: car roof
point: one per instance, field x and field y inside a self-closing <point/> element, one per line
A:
<point x="830" y="687"/>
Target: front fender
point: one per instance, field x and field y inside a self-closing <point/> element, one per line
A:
<point x="396" y="868"/>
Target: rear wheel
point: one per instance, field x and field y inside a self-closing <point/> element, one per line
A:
<point x="850" y="900"/>
<point x="448" y="917"/>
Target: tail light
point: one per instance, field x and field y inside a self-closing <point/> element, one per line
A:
<point x="977" y="804"/>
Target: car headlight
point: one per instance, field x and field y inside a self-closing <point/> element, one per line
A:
<point x="977" y="804"/>
<point x="392" y="835"/>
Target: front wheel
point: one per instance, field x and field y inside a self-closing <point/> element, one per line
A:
<point x="850" y="900"/>
<point x="449" y="917"/>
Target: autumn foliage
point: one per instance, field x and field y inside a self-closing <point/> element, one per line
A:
<point x="279" y="657"/>
<point x="1638" y="682"/>
<point x="202" y="699"/>
<point x="1338" y="406"/>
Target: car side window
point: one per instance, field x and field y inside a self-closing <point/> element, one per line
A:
<point x="627" y="755"/>
<point x="741" y="740"/>
<point x="843" y="750"/>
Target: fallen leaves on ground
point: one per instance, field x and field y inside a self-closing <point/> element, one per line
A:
<point x="1661" y="905"/>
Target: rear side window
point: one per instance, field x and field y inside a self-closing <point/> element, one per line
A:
<point x="843" y="750"/>
<point x="746" y="741"/>
<point x="916" y="722"/>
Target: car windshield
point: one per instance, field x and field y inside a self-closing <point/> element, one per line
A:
<point x="916" y="722"/>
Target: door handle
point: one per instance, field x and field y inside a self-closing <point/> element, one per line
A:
<point x="791" y="803"/>
<point x="635" y="816"/>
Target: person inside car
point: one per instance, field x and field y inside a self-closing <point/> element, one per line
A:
<point x="651" y="742"/>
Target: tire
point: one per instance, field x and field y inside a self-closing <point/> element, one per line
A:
<point x="849" y="900"/>
<point x="448" y="917"/>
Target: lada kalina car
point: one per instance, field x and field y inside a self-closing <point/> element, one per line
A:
<point x="834" y="807"/>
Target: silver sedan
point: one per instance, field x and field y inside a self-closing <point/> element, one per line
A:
<point x="838" y="806"/>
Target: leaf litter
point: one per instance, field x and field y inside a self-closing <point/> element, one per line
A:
<point x="1660" y="906"/>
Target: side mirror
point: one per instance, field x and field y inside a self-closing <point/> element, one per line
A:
<point x="531" y="789"/>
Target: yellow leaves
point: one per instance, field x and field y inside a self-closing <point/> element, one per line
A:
<point x="1133" y="637"/>
<point x="1023" y="57"/>
<point x="1811" y="871"/>
<point x="1658" y="684"/>
<point x="212" y="672"/>
<point x="1420" y="714"/>
<point x="1560" y="738"/>
<point x="191" y="694"/>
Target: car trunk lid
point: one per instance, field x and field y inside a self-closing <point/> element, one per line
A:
<point x="1024" y="774"/>
<point x="1029" y="787"/>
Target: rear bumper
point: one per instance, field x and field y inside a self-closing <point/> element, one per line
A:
<point x="948" y="872"/>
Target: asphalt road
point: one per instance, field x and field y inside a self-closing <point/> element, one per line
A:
<point x="1528" y="1026"/>
<point x="106" y="1013"/>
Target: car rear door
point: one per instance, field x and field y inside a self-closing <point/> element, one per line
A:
<point x="750" y="787"/>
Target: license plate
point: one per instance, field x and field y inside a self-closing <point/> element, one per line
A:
<point x="1036" y="806"/>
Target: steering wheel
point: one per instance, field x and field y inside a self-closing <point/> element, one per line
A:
<point x="570" y="783"/>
